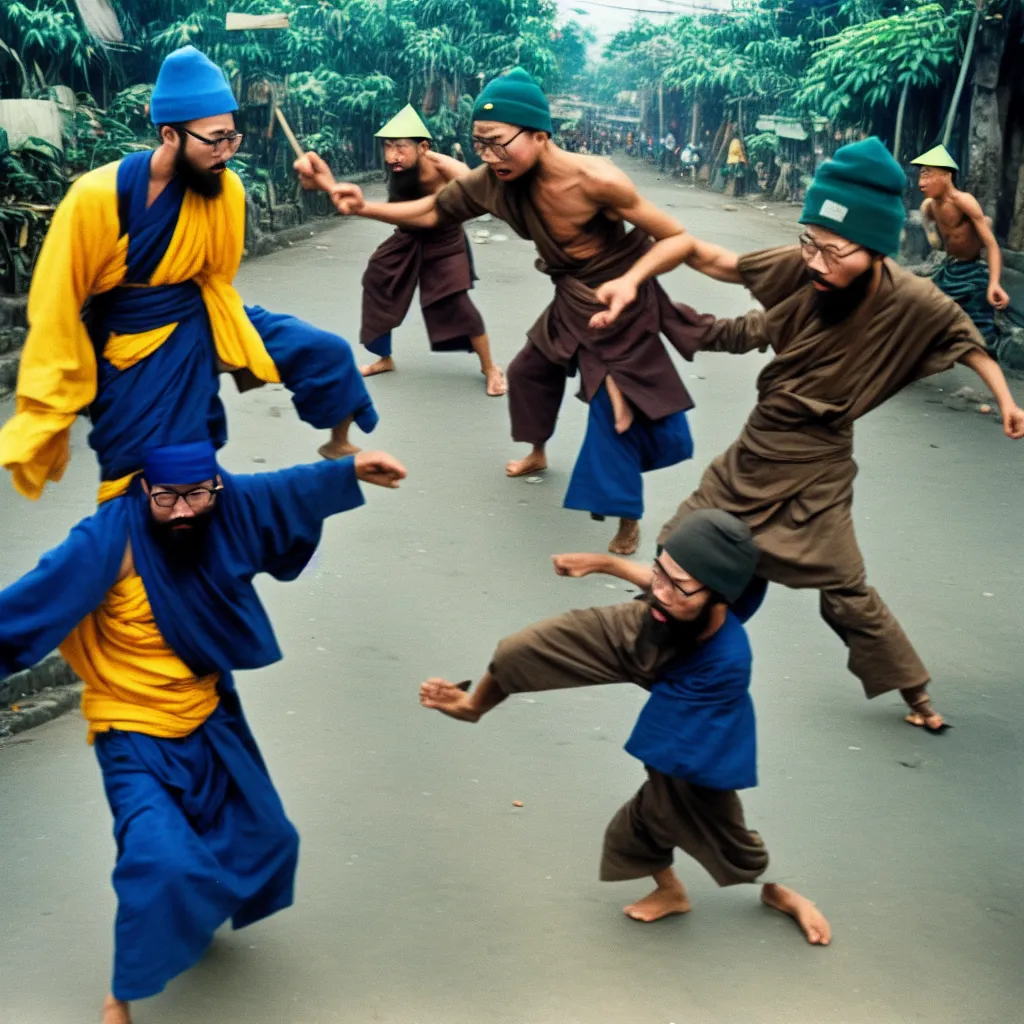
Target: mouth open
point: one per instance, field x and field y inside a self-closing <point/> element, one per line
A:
<point x="658" y="615"/>
<point x="219" y="168"/>
<point x="395" y="168"/>
<point x="502" y="172"/>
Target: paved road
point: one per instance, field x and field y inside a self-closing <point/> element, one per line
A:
<point x="424" y="896"/>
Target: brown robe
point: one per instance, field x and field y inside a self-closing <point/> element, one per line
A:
<point x="438" y="263"/>
<point x="604" y="645"/>
<point x="790" y="473"/>
<point x="562" y="340"/>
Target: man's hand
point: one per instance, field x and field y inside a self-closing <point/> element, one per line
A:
<point x="997" y="297"/>
<point x="313" y="173"/>
<point x="576" y="565"/>
<point x="379" y="469"/>
<point x="1013" y="422"/>
<point x="347" y="198"/>
<point x="616" y="295"/>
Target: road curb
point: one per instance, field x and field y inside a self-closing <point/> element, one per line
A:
<point x="38" y="695"/>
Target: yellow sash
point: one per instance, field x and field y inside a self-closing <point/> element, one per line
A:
<point x="133" y="680"/>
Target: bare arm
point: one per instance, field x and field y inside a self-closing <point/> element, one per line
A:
<point x="930" y="229"/>
<point x="972" y="208"/>
<point x="989" y="371"/>
<point x="348" y="198"/>
<point x="577" y="565"/>
<point x="673" y="246"/>
<point x="448" y="167"/>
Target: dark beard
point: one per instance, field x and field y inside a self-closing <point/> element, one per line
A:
<point x="404" y="186"/>
<point x="203" y="183"/>
<point x="836" y="304"/>
<point x="673" y="635"/>
<point x="183" y="543"/>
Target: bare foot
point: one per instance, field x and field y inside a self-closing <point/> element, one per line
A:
<point x="449" y="698"/>
<point x="811" y="920"/>
<point x="663" y="902"/>
<point x="535" y="462"/>
<point x="385" y="365"/>
<point x="922" y="713"/>
<point x="115" y="1011"/>
<point x="334" y="450"/>
<point x="496" y="385"/>
<point x="627" y="540"/>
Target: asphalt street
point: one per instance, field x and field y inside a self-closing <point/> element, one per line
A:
<point x="424" y="895"/>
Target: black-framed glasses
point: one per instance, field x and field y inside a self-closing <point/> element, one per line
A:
<point x="660" y="570"/>
<point x="232" y="140"/>
<point x="829" y="253"/>
<point x="499" y="149"/>
<point x="197" y="499"/>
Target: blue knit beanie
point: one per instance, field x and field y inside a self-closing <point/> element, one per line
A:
<point x="188" y="87"/>
<point x="858" y="194"/>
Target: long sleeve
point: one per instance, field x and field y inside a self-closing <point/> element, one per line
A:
<point x="57" y="376"/>
<point x="38" y="611"/>
<point x="281" y="514"/>
<point x="739" y="334"/>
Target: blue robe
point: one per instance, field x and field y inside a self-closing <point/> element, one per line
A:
<point x="698" y="723"/>
<point x="201" y="833"/>
<point x="607" y="479"/>
<point x="171" y="396"/>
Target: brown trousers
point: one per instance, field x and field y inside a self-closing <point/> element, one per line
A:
<point x="821" y="552"/>
<point x="601" y="645"/>
<point x="536" y="387"/>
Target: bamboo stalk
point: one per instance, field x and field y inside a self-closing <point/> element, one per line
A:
<point x="249" y="22"/>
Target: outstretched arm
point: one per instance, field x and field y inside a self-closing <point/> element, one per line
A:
<point x="673" y="246"/>
<point x="989" y="371"/>
<point x="448" y="167"/>
<point x="582" y="564"/>
<point x="997" y="297"/>
<point x="349" y="201"/>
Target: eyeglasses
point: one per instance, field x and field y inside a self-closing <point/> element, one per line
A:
<point x="231" y="141"/>
<point x="197" y="499"/>
<point x="660" y="571"/>
<point x="499" y="149"/>
<point x="829" y="253"/>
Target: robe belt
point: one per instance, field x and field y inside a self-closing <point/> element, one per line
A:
<point x="135" y="310"/>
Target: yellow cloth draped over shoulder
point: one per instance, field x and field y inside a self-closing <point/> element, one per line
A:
<point x="133" y="680"/>
<point x="85" y="254"/>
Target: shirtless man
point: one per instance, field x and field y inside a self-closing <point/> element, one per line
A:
<point x="438" y="262"/>
<point x="574" y="208"/>
<point x="963" y="230"/>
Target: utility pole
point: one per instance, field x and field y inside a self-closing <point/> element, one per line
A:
<point x="661" y="110"/>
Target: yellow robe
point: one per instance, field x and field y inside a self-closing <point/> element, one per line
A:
<point x="83" y="256"/>
<point x="133" y="681"/>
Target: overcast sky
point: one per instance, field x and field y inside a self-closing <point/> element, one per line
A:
<point x="606" y="17"/>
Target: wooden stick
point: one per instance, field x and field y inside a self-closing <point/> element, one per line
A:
<point x="289" y="134"/>
<point x="249" y="22"/>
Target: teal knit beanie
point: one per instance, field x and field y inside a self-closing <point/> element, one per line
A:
<point x="515" y="99"/>
<point x="858" y="194"/>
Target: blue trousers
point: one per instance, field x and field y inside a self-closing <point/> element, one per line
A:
<point x="607" y="479"/>
<point x="202" y="838"/>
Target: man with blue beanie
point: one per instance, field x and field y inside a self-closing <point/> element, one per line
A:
<point x="575" y="209"/>
<point x="151" y="601"/>
<point x="133" y="314"/>
<point x="849" y="328"/>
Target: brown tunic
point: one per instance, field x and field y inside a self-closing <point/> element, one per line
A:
<point x="631" y="349"/>
<point x="435" y="261"/>
<point x="790" y="473"/>
<point x="602" y="645"/>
